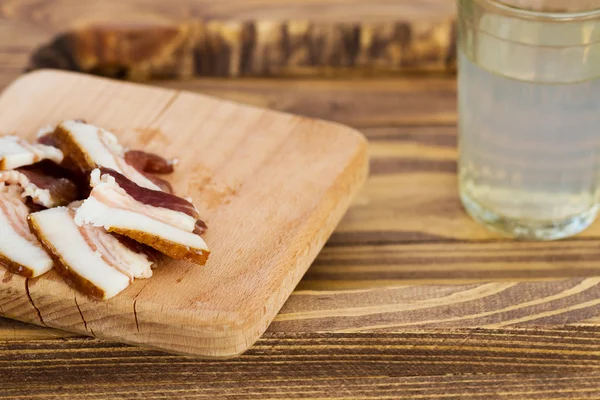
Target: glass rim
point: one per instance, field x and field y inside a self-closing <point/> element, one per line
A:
<point x="557" y="16"/>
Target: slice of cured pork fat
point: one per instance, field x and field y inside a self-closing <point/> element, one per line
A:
<point x="160" y="220"/>
<point x="20" y="251"/>
<point x="45" y="183"/>
<point x="87" y="257"/>
<point x="103" y="243"/>
<point x="92" y="147"/>
<point x="16" y="152"/>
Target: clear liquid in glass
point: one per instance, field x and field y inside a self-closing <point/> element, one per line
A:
<point x="529" y="146"/>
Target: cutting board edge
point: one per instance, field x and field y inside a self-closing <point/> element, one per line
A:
<point x="360" y="172"/>
<point x="44" y="72"/>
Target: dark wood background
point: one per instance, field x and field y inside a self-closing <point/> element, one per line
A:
<point x="410" y="299"/>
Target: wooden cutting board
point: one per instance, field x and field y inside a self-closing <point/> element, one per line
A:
<point x="271" y="187"/>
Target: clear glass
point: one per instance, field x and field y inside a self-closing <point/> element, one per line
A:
<point x="529" y="115"/>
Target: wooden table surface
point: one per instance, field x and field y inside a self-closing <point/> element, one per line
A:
<point x="410" y="299"/>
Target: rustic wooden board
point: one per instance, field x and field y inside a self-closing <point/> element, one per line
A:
<point x="271" y="187"/>
<point x="289" y="48"/>
<point x="140" y="39"/>
<point x="33" y="28"/>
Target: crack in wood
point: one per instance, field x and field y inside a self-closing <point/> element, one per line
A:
<point x="135" y="299"/>
<point x="162" y="112"/>
<point x="39" y="314"/>
<point x="81" y="314"/>
<point x="137" y="324"/>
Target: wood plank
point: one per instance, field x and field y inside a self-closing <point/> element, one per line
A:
<point x="419" y="104"/>
<point x="403" y="308"/>
<point x="393" y="34"/>
<point x="58" y="14"/>
<point x="296" y="175"/>
<point x="11" y="330"/>
<point x="442" y="262"/>
<point x="252" y="48"/>
<point x="444" y="307"/>
<point x="144" y="39"/>
<point x="390" y="102"/>
<point x="301" y="37"/>
<point x="502" y="363"/>
<point x="18" y="40"/>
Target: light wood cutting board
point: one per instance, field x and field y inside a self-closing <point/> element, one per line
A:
<point x="271" y="187"/>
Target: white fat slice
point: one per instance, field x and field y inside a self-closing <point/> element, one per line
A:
<point x="20" y="251"/>
<point x="46" y="190"/>
<point x="115" y="253"/>
<point x="99" y="214"/>
<point x="105" y="187"/>
<point x="170" y="232"/>
<point x="91" y="259"/>
<point x="16" y="152"/>
<point x="38" y="195"/>
<point x="92" y="147"/>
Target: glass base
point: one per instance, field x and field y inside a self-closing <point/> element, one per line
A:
<point x="528" y="230"/>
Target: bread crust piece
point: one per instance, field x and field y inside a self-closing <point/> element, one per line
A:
<point x="15" y="268"/>
<point x="171" y="249"/>
<point x="74" y="280"/>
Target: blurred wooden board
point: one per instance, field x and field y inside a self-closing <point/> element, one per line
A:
<point x="271" y="187"/>
<point x="291" y="48"/>
<point x="149" y="39"/>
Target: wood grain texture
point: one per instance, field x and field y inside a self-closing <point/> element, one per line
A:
<point x="476" y="305"/>
<point x="233" y="159"/>
<point x="251" y="48"/>
<point x="58" y="14"/>
<point x="414" y="105"/>
<point x="28" y="25"/>
<point x="379" y="255"/>
<point x="393" y="108"/>
<point x="140" y="39"/>
<point x="385" y="307"/>
<point x="501" y="363"/>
